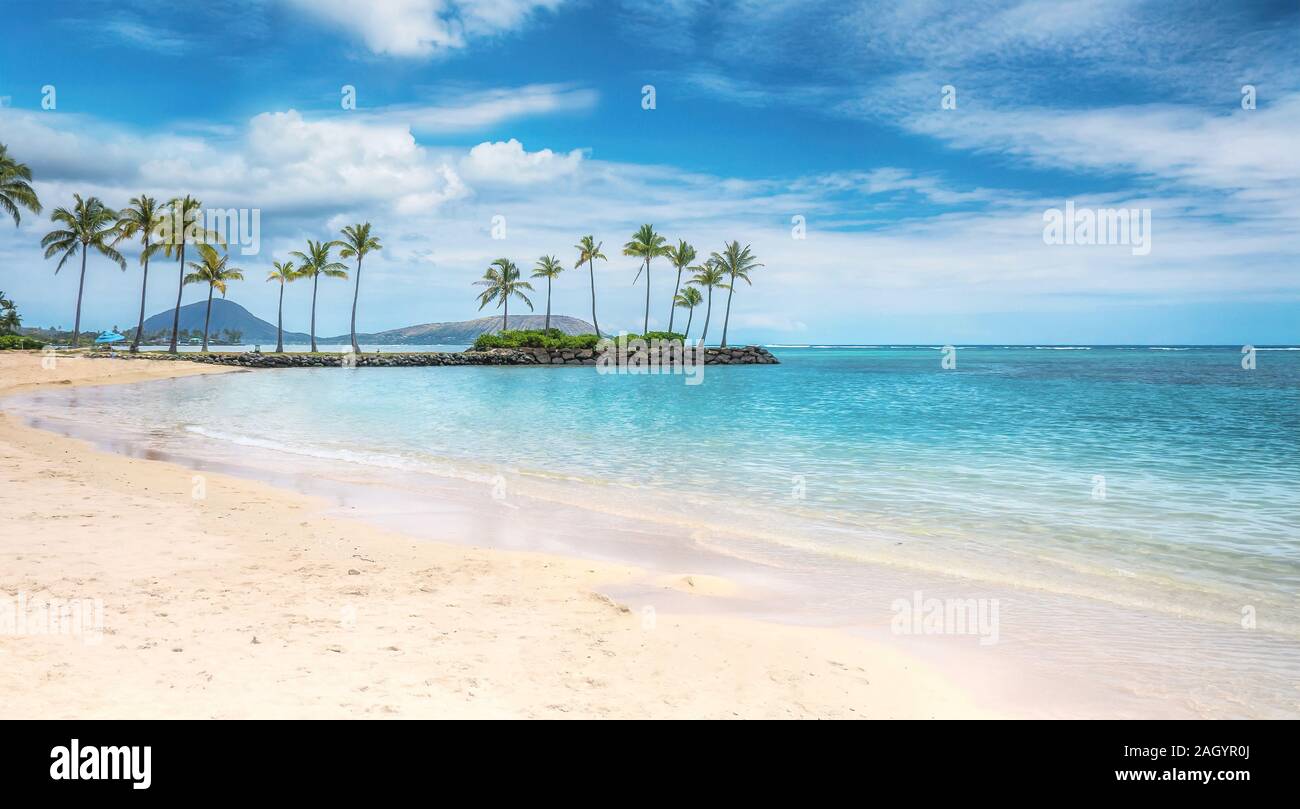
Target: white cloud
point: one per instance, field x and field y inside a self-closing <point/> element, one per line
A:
<point x="145" y="36"/>
<point x="891" y="180"/>
<point x="1248" y="153"/>
<point x="423" y="28"/>
<point x="469" y="110"/>
<point x="507" y="163"/>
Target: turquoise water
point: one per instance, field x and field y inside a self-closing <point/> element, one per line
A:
<point x="1165" y="478"/>
<point x="1147" y="499"/>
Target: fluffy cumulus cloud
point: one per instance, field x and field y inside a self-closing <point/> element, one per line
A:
<point x="343" y="162"/>
<point x="423" y="28"/>
<point x="507" y="163"/>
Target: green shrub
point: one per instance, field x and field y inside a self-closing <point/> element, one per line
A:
<point x="535" y="338"/>
<point x="659" y="335"/>
<point x="16" y="342"/>
<point x="554" y="338"/>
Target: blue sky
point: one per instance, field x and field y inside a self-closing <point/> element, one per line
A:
<point x="923" y="224"/>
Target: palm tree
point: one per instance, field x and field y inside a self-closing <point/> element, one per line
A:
<point x="708" y="275"/>
<point x="88" y="225"/>
<point x="547" y="267"/>
<point x="9" y="319"/>
<point x="142" y="216"/>
<point x="313" y="264"/>
<point x="14" y="188"/>
<point x="184" y="223"/>
<point x="284" y="273"/>
<point x="212" y="269"/>
<point x="688" y="299"/>
<point x="646" y="244"/>
<point x="736" y="263"/>
<point x="680" y="257"/>
<point x="357" y="242"/>
<point x="502" y="281"/>
<point x="589" y="251"/>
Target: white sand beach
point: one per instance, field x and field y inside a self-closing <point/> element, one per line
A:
<point x="248" y="601"/>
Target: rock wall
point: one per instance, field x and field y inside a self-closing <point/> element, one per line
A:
<point x="748" y="355"/>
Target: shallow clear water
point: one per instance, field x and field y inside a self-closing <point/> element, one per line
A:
<point x="1161" y="480"/>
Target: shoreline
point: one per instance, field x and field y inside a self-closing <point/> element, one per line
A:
<point x="245" y="603"/>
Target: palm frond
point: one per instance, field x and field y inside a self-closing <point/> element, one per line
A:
<point x="14" y="187"/>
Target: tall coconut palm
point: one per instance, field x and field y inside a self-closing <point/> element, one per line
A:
<point x="89" y="225"/>
<point x="645" y="244"/>
<point x="547" y="267"/>
<point x="708" y="275"/>
<point x="142" y="217"/>
<point x="14" y="188"/>
<point x="212" y="269"/>
<point x="502" y="282"/>
<point x="680" y="257"/>
<point x="9" y="319"/>
<point x="183" y="225"/>
<point x="688" y="299"/>
<point x="284" y="273"/>
<point x="589" y="251"/>
<point x="313" y="264"/>
<point x="736" y="263"/>
<point x="357" y="242"/>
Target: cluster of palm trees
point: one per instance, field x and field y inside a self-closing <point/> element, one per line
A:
<point x="90" y="225"/>
<point x="721" y="270"/>
<point x="170" y="228"/>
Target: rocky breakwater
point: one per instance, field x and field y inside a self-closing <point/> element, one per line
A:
<point x="747" y="355"/>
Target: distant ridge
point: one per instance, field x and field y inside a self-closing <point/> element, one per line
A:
<point x="227" y="314"/>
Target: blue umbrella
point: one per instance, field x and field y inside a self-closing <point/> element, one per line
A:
<point x="109" y="337"/>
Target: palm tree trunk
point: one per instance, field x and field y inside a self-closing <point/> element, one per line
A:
<point x="76" y="323"/>
<point x="279" y="323"/>
<point x="672" y="311"/>
<point x="207" y="319"/>
<point x="592" y="266"/>
<point x="708" y="312"/>
<point x="144" y="286"/>
<point x="176" y="313"/>
<point x="645" y="327"/>
<point x="356" y="291"/>
<point x="547" y="327"/>
<point x="730" y="289"/>
<point x="315" y="279"/>
<point x="689" y="318"/>
<point x="505" y="314"/>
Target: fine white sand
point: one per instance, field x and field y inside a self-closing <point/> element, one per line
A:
<point x="224" y="597"/>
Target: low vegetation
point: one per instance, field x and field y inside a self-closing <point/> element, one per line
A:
<point x="535" y="338"/>
<point x="17" y="342"/>
<point x="554" y="338"/>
